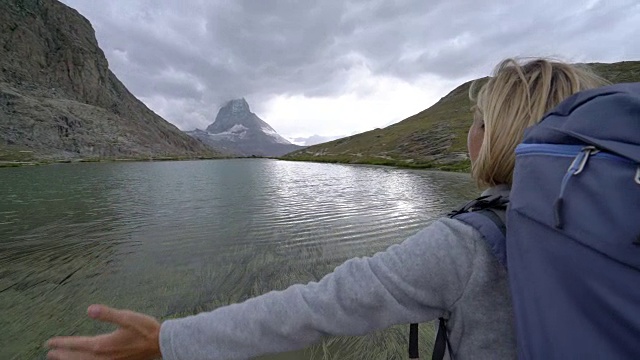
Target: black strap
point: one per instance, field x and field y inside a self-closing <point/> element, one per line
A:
<point x="414" y="352"/>
<point x="442" y="342"/>
<point x="439" y="348"/>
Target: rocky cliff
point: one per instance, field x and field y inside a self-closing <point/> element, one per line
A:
<point x="59" y="100"/>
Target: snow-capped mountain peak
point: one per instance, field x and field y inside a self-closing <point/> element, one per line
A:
<point x="237" y="128"/>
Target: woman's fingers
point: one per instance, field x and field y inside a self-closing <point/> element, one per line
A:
<point x="110" y="315"/>
<point x="136" y="338"/>
<point x="135" y="321"/>
<point x="72" y="355"/>
<point x="75" y="343"/>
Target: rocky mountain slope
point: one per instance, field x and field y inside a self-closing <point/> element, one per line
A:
<point x="59" y="100"/>
<point x="433" y="138"/>
<point x="238" y="131"/>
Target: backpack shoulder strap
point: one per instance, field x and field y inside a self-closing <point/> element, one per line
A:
<point x="492" y="229"/>
<point x="487" y="215"/>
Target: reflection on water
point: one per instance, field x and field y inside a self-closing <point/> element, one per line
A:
<point x="174" y="238"/>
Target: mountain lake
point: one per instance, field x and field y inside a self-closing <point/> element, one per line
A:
<point x="175" y="238"/>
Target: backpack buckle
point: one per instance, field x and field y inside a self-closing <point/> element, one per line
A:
<point x="496" y="202"/>
<point x="637" y="179"/>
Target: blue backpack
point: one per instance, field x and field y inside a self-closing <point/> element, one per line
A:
<point x="573" y="229"/>
<point x="572" y="245"/>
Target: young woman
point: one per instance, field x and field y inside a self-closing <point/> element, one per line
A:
<point x="445" y="270"/>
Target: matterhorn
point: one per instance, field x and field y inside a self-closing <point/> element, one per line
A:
<point x="238" y="131"/>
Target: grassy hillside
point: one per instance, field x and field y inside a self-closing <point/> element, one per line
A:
<point x="433" y="138"/>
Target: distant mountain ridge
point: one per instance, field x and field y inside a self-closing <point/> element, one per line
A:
<point x="238" y="131"/>
<point x="59" y="100"/>
<point x="314" y="139"/>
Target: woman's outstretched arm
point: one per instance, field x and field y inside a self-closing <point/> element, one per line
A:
<point x="415" y="281"/>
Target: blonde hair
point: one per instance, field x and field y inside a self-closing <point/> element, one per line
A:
<point x="514" y="98"/>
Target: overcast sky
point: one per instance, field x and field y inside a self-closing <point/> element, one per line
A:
<point x="338" y="67"/>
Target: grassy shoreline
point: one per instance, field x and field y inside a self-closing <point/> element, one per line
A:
<point x="459" y="166"/>
<point x="39" y="162"/>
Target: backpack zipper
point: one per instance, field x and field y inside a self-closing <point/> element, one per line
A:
<point x="576" y="167"/>
<point x="581" y="155"/>
<point x="564" y="150"/>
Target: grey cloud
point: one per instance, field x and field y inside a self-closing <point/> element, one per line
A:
<point x="261" y="49"/>
<point x="553" y="32"/>
<point x="176" y="89"/>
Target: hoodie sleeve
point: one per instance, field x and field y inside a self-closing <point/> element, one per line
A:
<point x="415" y="281"/>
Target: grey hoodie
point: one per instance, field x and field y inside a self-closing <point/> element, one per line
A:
<point x="444" y="270"/>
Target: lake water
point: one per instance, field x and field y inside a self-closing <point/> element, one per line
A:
<point x="174" y="238"/>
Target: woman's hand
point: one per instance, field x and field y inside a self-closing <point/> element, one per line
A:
<point x="137" y="338"/>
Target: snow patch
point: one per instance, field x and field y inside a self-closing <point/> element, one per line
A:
<point x="236" y="132"/>
<point x="279" y="139"/>
<point x="237" y="129"/>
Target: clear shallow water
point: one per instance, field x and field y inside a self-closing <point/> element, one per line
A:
<point x="174" y="238"/>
